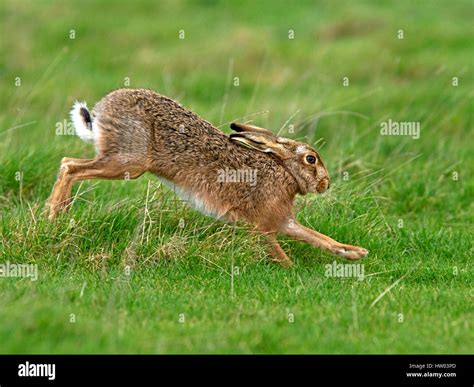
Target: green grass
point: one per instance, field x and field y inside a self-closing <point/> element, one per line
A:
<point x="125" y="265"/>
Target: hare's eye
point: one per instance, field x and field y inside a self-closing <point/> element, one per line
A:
<point x="311" y="159"/>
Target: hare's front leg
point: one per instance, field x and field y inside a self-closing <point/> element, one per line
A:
<point x="297" y="231"/>
<point x="277" y="253"/>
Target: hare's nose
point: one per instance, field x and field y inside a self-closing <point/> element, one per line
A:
<point x="323" y="185"/>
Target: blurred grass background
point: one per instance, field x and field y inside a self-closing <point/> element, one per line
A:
<point x="186" y="268"/>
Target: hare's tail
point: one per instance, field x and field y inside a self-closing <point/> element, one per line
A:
<point x="82" y="120"/>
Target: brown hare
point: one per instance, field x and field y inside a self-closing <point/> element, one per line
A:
<point x="251" y="176"/>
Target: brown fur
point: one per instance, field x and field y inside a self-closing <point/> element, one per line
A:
<point x="141" y="131"/>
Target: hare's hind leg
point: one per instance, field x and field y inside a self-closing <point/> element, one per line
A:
<point x="55" y="201"/>
<point x="73" y="170"/>
<point x="297" y="231"/>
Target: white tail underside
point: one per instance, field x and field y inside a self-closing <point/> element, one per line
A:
<point x="80" y="126"/>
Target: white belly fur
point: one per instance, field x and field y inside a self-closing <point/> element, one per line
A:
<point x="191" y="199"/>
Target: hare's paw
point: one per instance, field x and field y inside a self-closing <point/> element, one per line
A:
<point x="53" y="210"/>
<point x="351" y="252"/>
<point x="54" y="207"/>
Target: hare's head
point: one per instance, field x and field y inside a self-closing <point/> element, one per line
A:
<point x="300" y="160"/>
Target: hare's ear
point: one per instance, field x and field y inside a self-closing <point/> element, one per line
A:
<point x="261" y="143"/>
<point x="238" y="127"/>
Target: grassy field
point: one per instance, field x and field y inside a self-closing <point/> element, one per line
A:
<point x="132" y="269"/>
